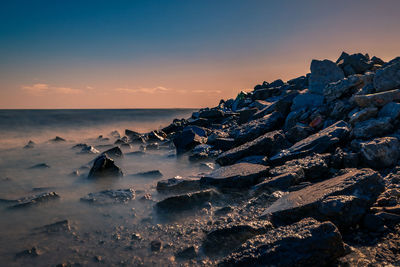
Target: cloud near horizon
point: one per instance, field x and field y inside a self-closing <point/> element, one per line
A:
<point x="158" y="89"/>
<point x="39" y="88"/>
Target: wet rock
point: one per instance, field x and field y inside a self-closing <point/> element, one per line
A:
<point x="316" y="143"/>
<point x="186" y="202"/>
<point x="57" y="139"/>
<point x="178" y="185"/>
<point x="155" y="136"/>
<point x="355" y="63"/>
<point x="35" y="200"/>
<point x="89" y="150"/>
<point x="40" y="166"/>
<point x="306" y="243"/>
<point x="323" y="73"/>
<point x="280" y="182"/>
<point x="365" y="184"/>
<point x="113" y="153"/>
<point x="388" y="77"/>
<point x="187" y="140"/>
<point x="298" y="132"/>
<point x="336" y="89"/>
<point x="256" y="159"/>
<point x="381" y="152"/>
<point x="307" y="100"/>
<point x="391" y="110"/>
<point x="378" y="99"/>
<point x="267" y="144"/>
<point x="110" y="196"/>
<point x="136" y="153"/>
<point x="33" y="252"/>
<point x="253" y="129"/>
<point x="148" y="174"/>
<point x="30" y="144"/>
<point x="132" y="134"/>
<point x="155" y="245"/>
<point x="187" y="253"/>
<point x="115" y="134"/>
<point x="235" y="176"/>
<point x="104" y="166"/>
<point x="372" y="127"/>
<point x="224" y="143"/>
<point x="362" y="115"/>
<point x="57" y="227"/>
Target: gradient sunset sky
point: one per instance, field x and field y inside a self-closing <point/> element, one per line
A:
<point x="175" y="53"/>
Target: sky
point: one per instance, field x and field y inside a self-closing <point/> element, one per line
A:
<point x="175" y="53"/>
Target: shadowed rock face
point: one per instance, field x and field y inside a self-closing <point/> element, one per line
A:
<point x="388" y="77"/>
<point x="378" y="99"/>
<point x="381" y="152"/>
<point x="306" y="243"/>
<point x="323" y="72"/>
<point x="104" y="166"/>
<point x="110" y="196"/>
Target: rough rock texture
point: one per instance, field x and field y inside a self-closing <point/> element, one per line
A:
<point x="34" y="200"/>
<point x="363" y="115"/>
<point x="306" y="243"/>
<point x="373" y="127"/>
<point x="187" y="140"/>
<point x="391" y="110"/>
<point x="381" y="152"/>
<point x="388" y="77"/>
<point x="104" y="166"/>
<point x="110" y="196"/>
<point x="178" y="185"/>
<point x="323" y="72"/>
<point x="378" y="99"/>
<point x="307" y="100"/>
<point x="335" y="90"/>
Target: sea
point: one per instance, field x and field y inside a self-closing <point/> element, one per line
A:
<point x="92" y="226"/>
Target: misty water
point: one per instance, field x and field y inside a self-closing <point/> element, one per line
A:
<point x="91" y="224"/>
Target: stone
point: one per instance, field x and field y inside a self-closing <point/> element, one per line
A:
<point x="267" y="144"/>
<point x="307" y="100"/>
<point x="280" y="182"/>
<point x="57" y="139"/>
<point x="187" y="140"/>
<point x="107" y="197"/>
<point x="31" y="253"/>
<point x="305" y="243"/>
<point x="178" y="185"/>
<point x="115" y="134"/>
<point x="89" y="150"/>
<point x="372" y="127"/>
<point x="224" y="143"/>
<point x="185" y="202"/>
<point x="388" y="77"/>
<point x="211" y="114"/>
<point x="339" y="88"/>
<point x="104" y="166"/>
<point x="299" y="83"/>
<point x="113" y="153"/>
<point x="148" y="174"/>
<point x="355" y="63"/>
<point x="35" y="200"/>
<point x="378" y="99"/>
<point x="57" y="227"/>
<point x="155" y="245"/>
<point x="362" y="115"/>
<point x="323" y="72"/>
<point x="40" y="166"/>
<point x="381" y="152"/>
<point x="298" y="132"/>
<point x="316" y="143"/>
<point x="245" y="114"/>
<point x="197" y="130"/>
<point x="235" y="176"/>
<point x="187" y="253"/>
<point x="280" y="104"/>
<point x="391" y="110"/>
<point x="365" y="184"/>
<point x="30" y="144"/>
<point x="255" y="159"/>
<point x="132" y="134"/>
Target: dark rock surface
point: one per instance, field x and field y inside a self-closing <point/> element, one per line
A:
<point x="148" y="174"/>
<point x="35" y="200"/>
<point x="323" y="72"/>
<point x="381" y="152"/>
<point x="110" y="196"/>
<point x="104" y="166"/>
<point x="178" y="185"/>
<point x="388" y="77"/>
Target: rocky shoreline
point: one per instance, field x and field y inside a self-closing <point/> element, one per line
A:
<point x="306" y="173"/>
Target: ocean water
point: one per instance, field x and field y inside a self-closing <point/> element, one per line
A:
<point x="91" y="224"/>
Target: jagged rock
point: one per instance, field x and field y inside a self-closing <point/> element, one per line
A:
<point x="366" y="184"/>
<point x="57" y="139"/>
<point x="363" y="115"/>
<point x="267" y="144"/>
<point x="113" y="153"/>
<point x="305" y="243"/>
<point x="148" y="174"/>
<point x="336" y="89"/>
<point x="316" y="143"/>
<point x="307" y="100"/>
<point x="256" y="159"/>
<point x="178" y="185"/>
<point x="211" y="114"/>
<point x="381" y="152"/>
<point x="294" y="117"/>
<point x="110" y="196"/>
<point x="388" y="77"/>
<point x="236" y="176"/>
<point x="115" y="134"/>
<point x="132" y="134"/>
<point x="89" y="150"/>
<point x="323" y="72"/>
<point x="57" y="227"/>
<point x="33" y="252"/>
<point x="378" y="99"/>
<point x="299" y="83"/>
<point x="197" y="130"/>
<point x="280" y="104"/>
<point x="40" y="166"/>
<point x="186" y="202"/>
<point x="30" y="144"/>
<point x="245" y="114"/>
<point x="187" y="140"/>
<point x="355" y="63"/>
<point x="187" y="253"/>
<point x="34" y="200"/>
<point x="372" y="127"/>
<point x="253" y="129"/>
<point x="280" y="182"/>
<point x="104" y="166"/>
<point x="298" y="132"/>
<point x="391" y="110"/>
<point x="224" y="143"/>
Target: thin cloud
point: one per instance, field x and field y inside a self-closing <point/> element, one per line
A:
<point x="36" y="88"/>
<point x="207" y="91"/>
<point x="39" y="88"/>
<point x="158" y="89"/>
<point x="67" y="90"/>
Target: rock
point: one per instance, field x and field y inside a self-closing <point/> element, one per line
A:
<point x="178" y="185"/>
<point x="155" y="136"/>
<point x="89" y="150"/>
<point x="339" y="88"/>
<point x="378" y="99"/>
<point x="187" y="140"/>
<point x="355" y="63"/>
<point x="298" y="132"/>
<point x="253" y="129"/>
<point x="372" y="127"/>
<point x="30" y="144"/>
<point x="280" y="104"/>
<point x="110" y="196"/>
<point x="185" y="202"/>
<point x="391" y="110"/>
<point x="155" y="245"/>
<point x="197" y="130"/>
<point x="136" y="153"/>
<point x="35" y="200"/>
<point x="256" y="159"/>
<point x="299" y="83"/>
<point x="388" y="77"/>
<point x="211" y="114"/>
<point x="307" y="100"/>
<point x="323" y="73"/>
<point x="280" y="182"/>
<point x="245" y="114"/>
<point x="57" y="139"/>
<point x="224" y="143"/>
<point x="363" y="115"/>
<point x="104" y="166"/>
<point x="373" y="222"/>
<point x="132" y="134"/>
<point x="33" y="252"/>
<point x="40" y="166"/>
<point x="365" y="184"/>
<point x="187" y="253"/>
<point x="115" y="134"/>
<point x="114" y="153"/>
<point x="316" y="143"/>
<point x="305" y="243"/>
<point x="381" y="152"/>
<point x="148" y="174"/>
<point x="235" y="176"/>
<point x="294" y="117"/>
<point x="57" y="227"/>
<point x="223" y="211"/>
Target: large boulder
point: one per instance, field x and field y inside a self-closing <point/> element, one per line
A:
<point x="307" y="100"/>
<point x="381" y="152"/>
<point x="187" y="140"/>
<point x="355" y="63"/>
<point x="388" y="77"/>
<point x="267" y="144"/>
<point x="236" y="176"/>
<point x="316" y="143"/>
<point x="335" y="90"/>
<point x="391" y="110"/>
<point x="104" y="166"/>
<point x="306" y="243"/>
<point x="378" y="99"/>
<point x="364" y="184"/>
<point x="362" y="115"/>
<point x="323" y="72"/>
<point x="372" y="127"/>
<point x="178" y="185"/>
